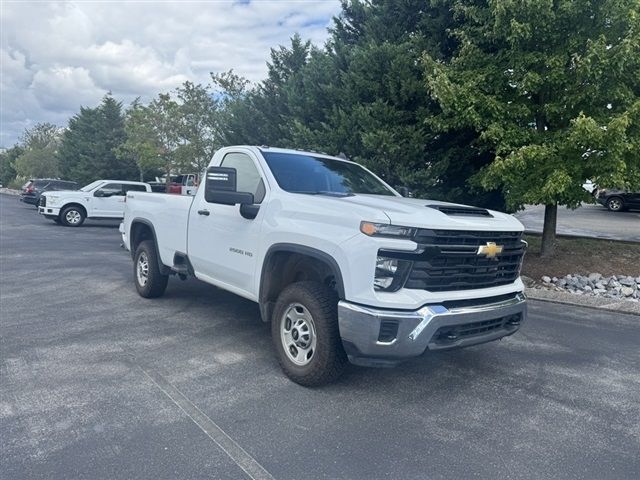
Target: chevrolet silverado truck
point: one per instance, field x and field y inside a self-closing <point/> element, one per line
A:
<point x="342" y="266"/>
<point x="100" y="200"/>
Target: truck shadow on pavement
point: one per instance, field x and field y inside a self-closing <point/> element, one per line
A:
<point x="226" y="322"/>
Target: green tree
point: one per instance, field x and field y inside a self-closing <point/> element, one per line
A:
<point x="236" y="115"/>
<point x="363" y="95"/>
<point x="163" y="118"/>
<point x="38" y="158"/>
<point x="90" y="144"/>
<point x="7" y="168"/>
<point x="140" y="142"/>
<point x="198" y="128"/>
<point x="552" y="89"/>
<point x="111" y="124"/>
<point x="37" y="163"/>
<point x="175" y="132"/>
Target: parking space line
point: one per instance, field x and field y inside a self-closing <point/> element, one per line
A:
<point x="235" y="452"/>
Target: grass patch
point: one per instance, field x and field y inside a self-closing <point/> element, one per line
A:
<point x="582" y="256"/>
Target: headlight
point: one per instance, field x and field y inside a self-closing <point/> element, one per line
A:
<point x="385" y="230"/>
<point x="52" y="199"/>
<point x="391" y="273"/>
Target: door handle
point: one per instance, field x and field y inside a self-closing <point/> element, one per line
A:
<point x="203" y="212"/>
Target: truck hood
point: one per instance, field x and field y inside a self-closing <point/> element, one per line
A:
<point x="66" y="193"/>
<point x="414" y="212"/>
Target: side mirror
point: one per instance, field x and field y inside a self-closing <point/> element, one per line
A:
<point x="100" y="193"/>
<point x="221" y="187"/>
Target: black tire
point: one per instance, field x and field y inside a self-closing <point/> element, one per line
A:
<point x="72" y="216"/>
<point x="615" y="204"/>
<point x="155" y="283"/>
<point x="328" y="360"/>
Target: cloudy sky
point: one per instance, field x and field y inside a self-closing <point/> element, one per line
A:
<point x="57" y="56"/>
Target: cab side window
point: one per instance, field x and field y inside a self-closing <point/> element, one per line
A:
<point x="134" y="188"/>
<point x="112" y="190"/>
<point x="248" y="178"/>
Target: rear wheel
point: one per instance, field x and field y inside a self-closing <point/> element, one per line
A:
<point x="615" y="204"/>
<point x="72" y="216"/>
<point x="150" y="282"/>
<point x="305" y="333"/>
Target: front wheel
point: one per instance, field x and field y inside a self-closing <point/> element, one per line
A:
<point x="72" y="216"/>
<point x="614" y="204"/>
<point x="150" y="282"/>
<point x="305" y="333"/>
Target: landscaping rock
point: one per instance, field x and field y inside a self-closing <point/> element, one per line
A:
<point x="595" y="284"/>
<point x="595" y="277"/>
<point x="627" y="291"/>
<point x="628" y="281"/>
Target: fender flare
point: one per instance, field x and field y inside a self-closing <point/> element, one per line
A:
<point x="163" y="268"/>
<point x="265" y="308"/>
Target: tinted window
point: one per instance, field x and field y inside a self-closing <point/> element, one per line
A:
<point x="302" y="173"/>
<point x="248" y="178"/>
<point x="112" y="189"/>
<point x="134" y="188"/>
<point x="91" y="186"/>
<point x="62" y="185"/>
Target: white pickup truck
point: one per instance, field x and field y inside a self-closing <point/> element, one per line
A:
<point x="341" y="265"/>
<point x="102" y="200"/>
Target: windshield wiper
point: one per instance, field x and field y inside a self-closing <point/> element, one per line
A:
<point x="324" y="192"/>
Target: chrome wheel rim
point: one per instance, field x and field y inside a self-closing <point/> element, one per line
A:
<point x="73" y="217"/>
<point x="142" y="269"/>
<point x="615" y="204"/>
<point x="298" y="334"/>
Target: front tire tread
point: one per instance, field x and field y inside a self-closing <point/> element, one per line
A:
<point x="329" y="359"/>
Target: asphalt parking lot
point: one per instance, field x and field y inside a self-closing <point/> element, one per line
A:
<point x="97" y="382"/>
<point x="587" y="221"/>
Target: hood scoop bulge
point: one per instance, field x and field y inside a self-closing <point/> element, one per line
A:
<point x="462" y="211"/>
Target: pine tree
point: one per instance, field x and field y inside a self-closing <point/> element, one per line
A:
<point x="89" y="145"/>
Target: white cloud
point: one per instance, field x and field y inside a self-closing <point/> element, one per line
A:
<point x="58" y="56"/>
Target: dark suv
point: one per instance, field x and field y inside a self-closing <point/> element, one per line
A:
<point x="618" y="200"/>
<point x="33" y="188"/>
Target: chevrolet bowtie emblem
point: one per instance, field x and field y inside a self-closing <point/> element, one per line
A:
<point x="490" y="250"/>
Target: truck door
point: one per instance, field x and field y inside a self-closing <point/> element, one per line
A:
<point x="222" y="245"/>
<point x="108" y="201"/>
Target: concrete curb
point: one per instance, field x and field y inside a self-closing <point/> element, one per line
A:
<point x="588" y="237"/>
<point x="608" y="304"/>
<point x="9" y="191"/>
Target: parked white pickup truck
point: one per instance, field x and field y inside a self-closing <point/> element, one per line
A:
<point x="340" y="264"/>
<point x="102" y="199"/>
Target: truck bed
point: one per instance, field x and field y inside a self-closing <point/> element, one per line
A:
<point x="169" y="216"/>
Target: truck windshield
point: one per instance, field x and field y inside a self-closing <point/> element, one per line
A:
<point x="91" y="186"/>
<point x="301" y="173"/>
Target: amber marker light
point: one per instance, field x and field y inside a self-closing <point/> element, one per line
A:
<point x="385" y="230"/>
<point x="368" y="228"/>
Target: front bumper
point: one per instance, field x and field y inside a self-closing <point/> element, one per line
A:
<point x="377" y="336"/>
<point x="49" y="211"/>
